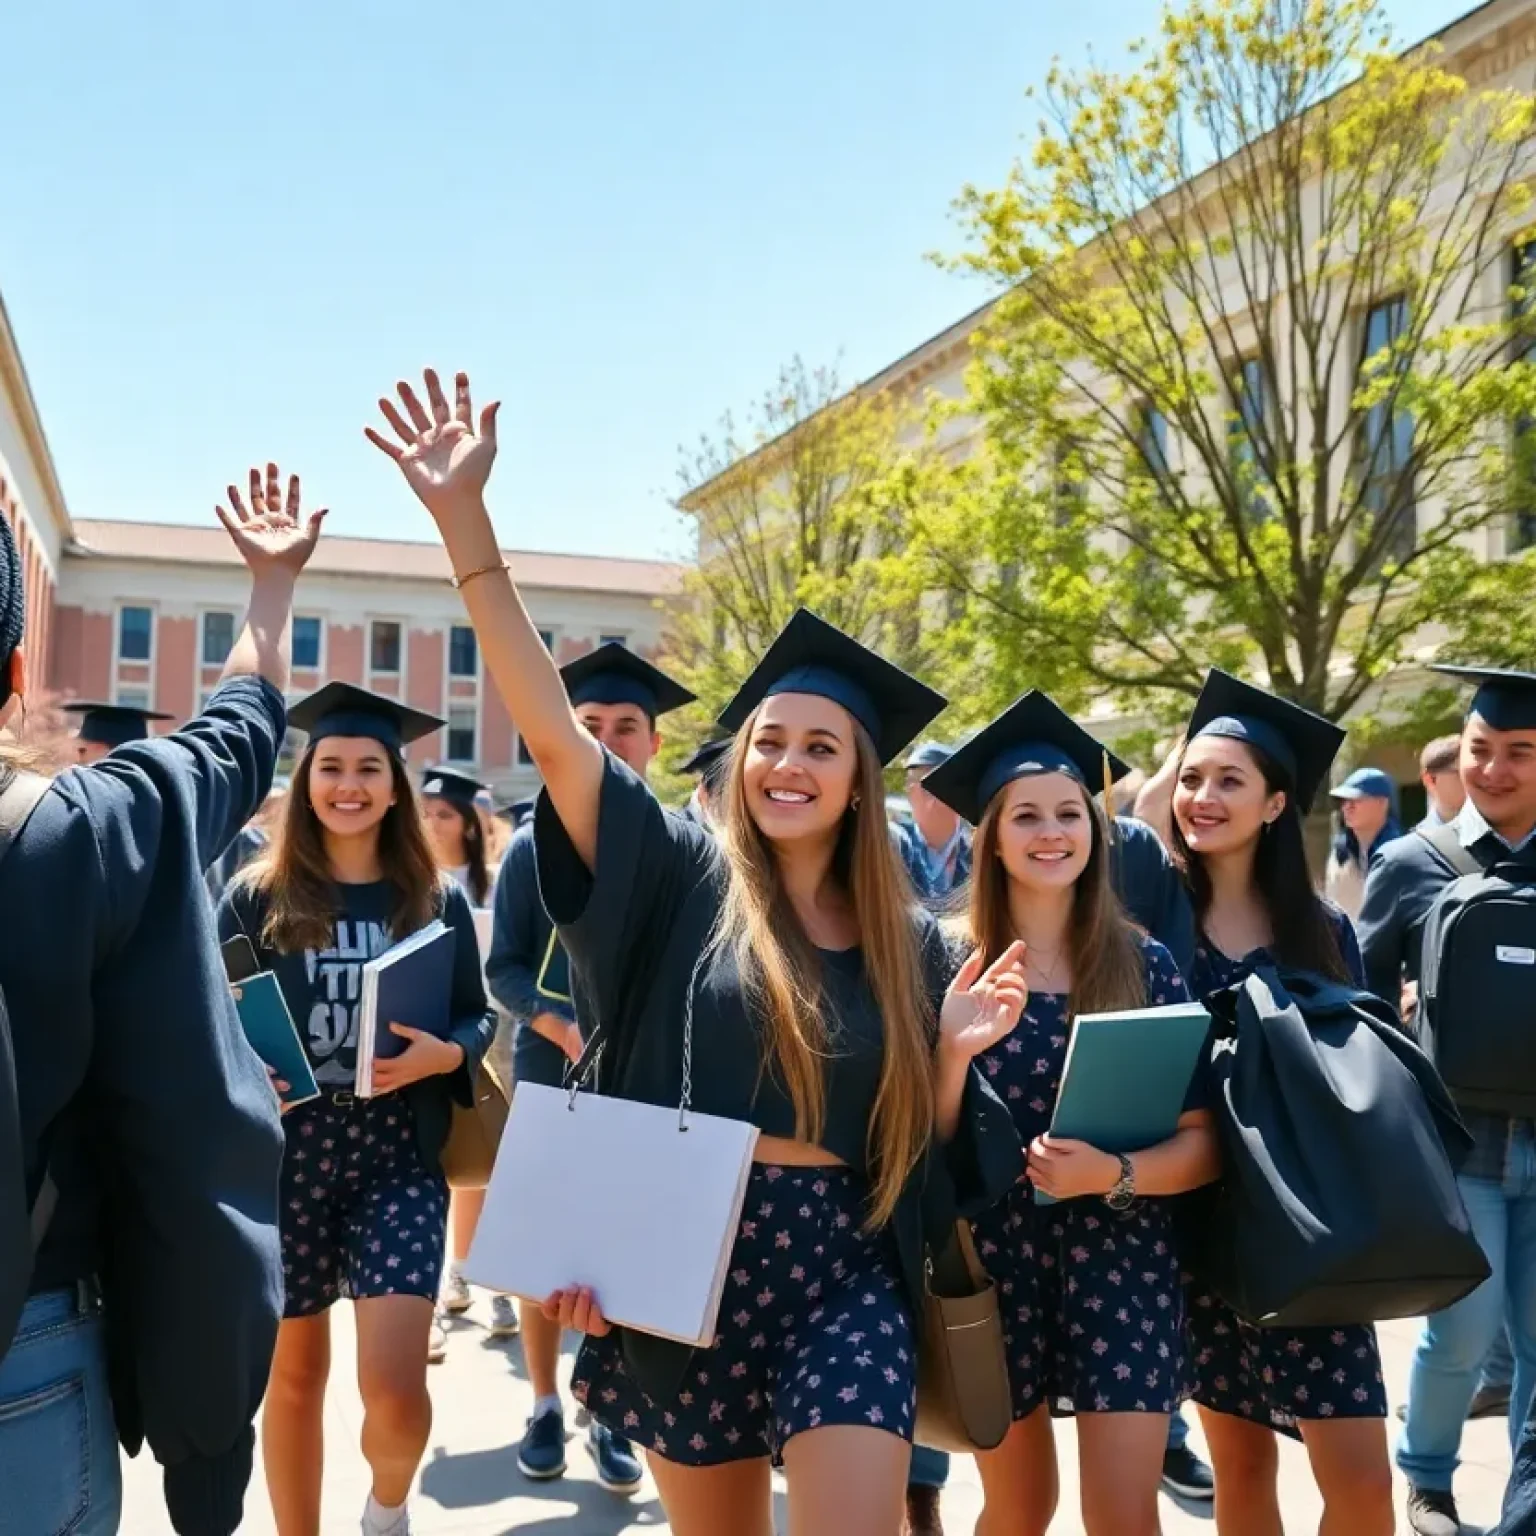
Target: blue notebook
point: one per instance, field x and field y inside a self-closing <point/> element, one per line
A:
<point x="269" y="1027"/>
<point x="410" y="984"/>
<point x="1127" y="1075"/>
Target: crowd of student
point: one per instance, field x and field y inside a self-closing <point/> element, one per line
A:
<point x="890" y="1004"/>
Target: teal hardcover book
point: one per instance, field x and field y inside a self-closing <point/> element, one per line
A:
<point x="1127" y="1075"/>
<point x="269" y="1027"/>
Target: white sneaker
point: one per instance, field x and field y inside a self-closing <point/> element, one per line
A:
<point x="437" y="1342"/>
<point x="504" y="1321"/>
<point x="371" y="1527"/>
<point x="455" y="1296"/>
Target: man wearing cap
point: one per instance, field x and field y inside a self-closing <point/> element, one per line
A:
<point x="1367" y="802"/>
<point x="1497" y="825"/>
<point x="105" y="726"/>
<point x="935" y="845"/>
<point x="618" y="696"/>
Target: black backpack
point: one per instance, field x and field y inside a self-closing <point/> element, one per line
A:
<point x="22" y="1221"/>
<point x="1477" y="980"/>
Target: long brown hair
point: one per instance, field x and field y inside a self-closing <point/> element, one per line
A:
<point x="477" y="866"/>
<point x="1107" y="968"/>
<point x="294" y="873"/>
<point x="782" y="971"/>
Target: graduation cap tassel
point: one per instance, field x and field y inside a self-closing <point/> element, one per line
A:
<point x="1109" y="804"/>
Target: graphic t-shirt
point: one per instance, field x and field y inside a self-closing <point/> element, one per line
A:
<point x="324" y="987"/>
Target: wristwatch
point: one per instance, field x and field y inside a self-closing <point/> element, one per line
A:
<point x="1123" y="1191"/>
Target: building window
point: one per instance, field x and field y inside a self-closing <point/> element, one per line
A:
<point x="463" y="659"/>
<point x="613" y="639"/>
<point x="1152" y="440"/>
<point x="135" y="633"/>
<point x="548" y="637"/>
<point x="218" y="638"/>
<point x="384" y="646"/>
<point x="132" y="698"/>
<point x="306" y="641"/>
<point x="1068" y="492"/>
<point x="462" y="729"/>
<point x="1250" y="405"/>
<point x="1386" y="437"/>
<point x="1522" y="531"/>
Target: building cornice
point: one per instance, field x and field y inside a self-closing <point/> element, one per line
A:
<point x="18" y="390"/>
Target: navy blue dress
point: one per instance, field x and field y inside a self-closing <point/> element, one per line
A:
<point x="1093" y="1310"/>
<point x="1279" y="1377"/>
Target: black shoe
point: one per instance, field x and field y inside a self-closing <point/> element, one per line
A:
<point x="1432" y="1512"/>
<point x="1186" y="1475"/>
<point x="1489" y="1403"/>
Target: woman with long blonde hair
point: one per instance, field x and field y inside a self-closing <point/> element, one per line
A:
<point x="1092" y="1300"/>
<point x="364" y="1202"/>
<point x="817" y="993"/>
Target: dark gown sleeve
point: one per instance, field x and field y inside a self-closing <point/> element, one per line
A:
<point x="183" y="1111"/>
<point x="612" y="916"/>
<point x="472" y="1021"/>
<point x="519" y="937"/>
<point x="1166" y="985"/>
<point x="985" y="1157"/>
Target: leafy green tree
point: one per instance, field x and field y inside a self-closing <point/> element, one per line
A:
<point x="1248" y="393"/>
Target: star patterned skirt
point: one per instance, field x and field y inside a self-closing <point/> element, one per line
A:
<point x="360" y="1214"/>
<point x="1279" y="1377"/>
<point x="814" y="1330"/>
<point x="1092" y="1308"/>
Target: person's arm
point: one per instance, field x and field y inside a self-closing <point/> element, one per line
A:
<point x="1381" y="930"/>
<point x="517" y="954"/>
<point x="446" y="458"/>
<point x="1153" y="891"/>
<point x="980" y="1008"/>
<point x="1154" y="804"/>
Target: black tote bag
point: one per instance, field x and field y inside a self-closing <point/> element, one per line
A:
<point x="1338" y="1200"/>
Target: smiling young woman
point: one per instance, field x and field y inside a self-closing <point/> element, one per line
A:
<point x="364" y="1202"/>
<point x="816" y="986"/>
<point x="1093" y="1305"/>
<point x="1252" y="766"/>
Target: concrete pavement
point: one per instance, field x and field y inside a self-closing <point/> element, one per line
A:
<point x="470" y="1485"/>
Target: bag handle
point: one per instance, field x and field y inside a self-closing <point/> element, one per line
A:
<point x="581" y="1072"/>
<point x="1447" y="843"/>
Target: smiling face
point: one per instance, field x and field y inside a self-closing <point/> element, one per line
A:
<point x="351" y="785"/>
<point x="1499" y="771"/>
<point x="625" y="729"/>
<point x="444" y="822"/>
<point x="800" y="767"/>
<point x="1044" y="831"/>
<point x="1221" y="801"/>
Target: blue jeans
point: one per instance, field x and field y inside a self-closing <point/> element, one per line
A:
<point x="1499" y="1367"/>
<point x="1456" y="1342"/>
<point x="59" y="1469"/>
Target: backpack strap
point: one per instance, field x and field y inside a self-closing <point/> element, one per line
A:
<point x="1451" y="851"/>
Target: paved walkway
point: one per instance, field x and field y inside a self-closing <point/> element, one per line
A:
<point x="470" y="1485"/>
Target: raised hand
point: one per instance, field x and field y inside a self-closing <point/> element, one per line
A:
<point x="982" y="1008"/>
<point x="269" y="533"/>
<point x="443" y="453"/>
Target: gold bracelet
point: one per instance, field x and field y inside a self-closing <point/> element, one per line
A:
<point x="459" y="581"/>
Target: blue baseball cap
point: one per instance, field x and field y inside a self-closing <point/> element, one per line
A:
<point x="1366" y="783"/>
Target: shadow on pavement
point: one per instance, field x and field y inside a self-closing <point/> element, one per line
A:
<point x="477" y="1479"/>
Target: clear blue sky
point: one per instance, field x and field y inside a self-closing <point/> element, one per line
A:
<point x="224" y="229"/>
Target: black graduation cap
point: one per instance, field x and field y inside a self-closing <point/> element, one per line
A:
<point x="614" y="674"/>
<point x="1298" y="741"/>
<point x="515" y="812"/>
<point x="342" y="709"/>
<point x="811" y="656"/>
<point x="443" y="783"/>
<point x="706" y="757"/>
<point x="111" y="725"/>
<point x="1033" y="735"/>
<point x="1505" y="700"/>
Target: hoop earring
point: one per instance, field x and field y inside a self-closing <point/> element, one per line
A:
<point x="854" y="804"/>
